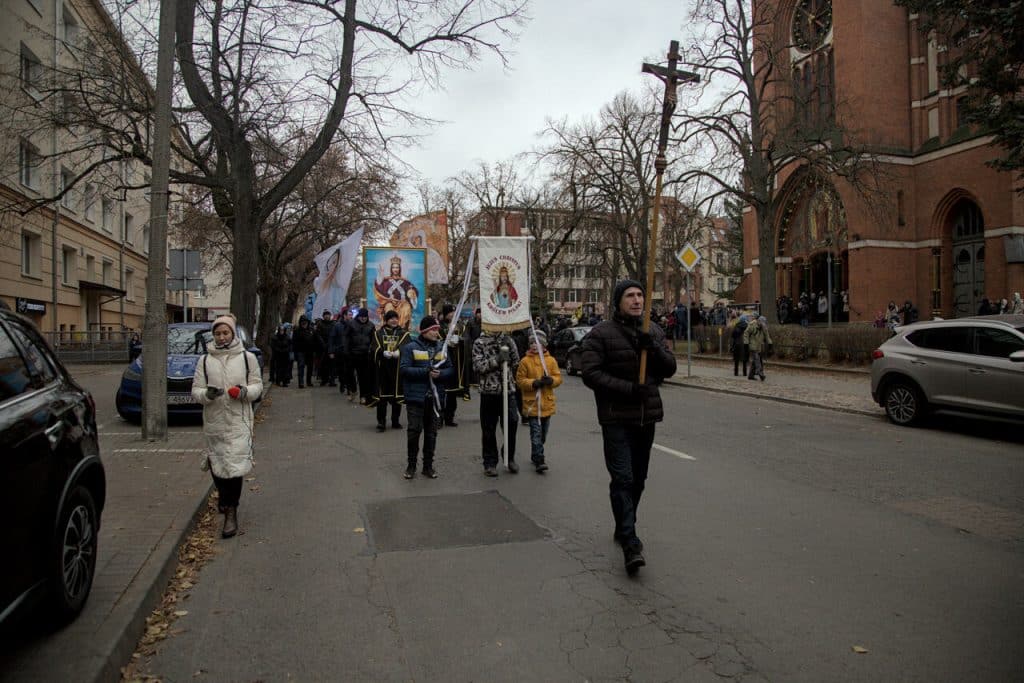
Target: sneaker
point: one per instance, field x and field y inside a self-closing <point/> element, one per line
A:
<point x="541" y="467"/>
<point x="762" y="378"/>
<point x="410" y="472"/>
<point x="513" y="467"/>
<point x="633" y="558"/>
<point x="490" y="471"/>
<point x="381" y="427"/>
<point x="429" y="473"/>
<point x="396" y="425"/>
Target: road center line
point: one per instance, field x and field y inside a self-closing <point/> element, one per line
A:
<point x="678" y="454"/>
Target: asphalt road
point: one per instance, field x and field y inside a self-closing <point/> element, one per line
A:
<point x="778" y="538"/>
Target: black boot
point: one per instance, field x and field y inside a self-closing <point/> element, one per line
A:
<point x="633" y="557"/>
<point x="230" y="523"/>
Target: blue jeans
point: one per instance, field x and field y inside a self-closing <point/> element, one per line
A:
<point x="627" y="454"/>
<point x="538" y="435"/>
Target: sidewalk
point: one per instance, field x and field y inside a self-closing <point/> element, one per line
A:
<point x="154" y="492"/>
<point x="841" y="389"/>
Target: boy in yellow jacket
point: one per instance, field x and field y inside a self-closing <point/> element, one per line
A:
<point x="537" y="377"/>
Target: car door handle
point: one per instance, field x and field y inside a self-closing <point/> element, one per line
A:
<point x="54" y="432"/>
<point x="976" y="371"/>
<point x="918" y="362"/>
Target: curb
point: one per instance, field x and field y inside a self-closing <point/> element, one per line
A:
<point x="778" y="399"/>
<point x="824" y="369"/>
<point x="126" y="641"/>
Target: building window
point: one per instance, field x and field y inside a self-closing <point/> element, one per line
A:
<point x="69" y="266"/>
<point x="67" y="200"/>
<point x="720" y="284"/>
<point x="933" y="122"/>
<point x="129" y="228"/>
<point x="31" y="254"/>
<point x="129" y="284"/>
<point x="108" y="272"/>
<point x="90" y="202"/>
<point x="145" y="237"/>
<point x="70" y="28"/>
<point x="30" y="71"/>
<point x="900" y="215"/>
<point x="961" y="111"/>
<point x="551" y="296"/>
<point x="108" y="214"/>
<point x="573" y="296"/>
<point x="90" y="268"/>
<point x="933" y="67"/>
<point x="28" y="164"/>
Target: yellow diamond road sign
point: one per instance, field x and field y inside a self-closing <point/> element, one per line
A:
<point x="689" y="257"/>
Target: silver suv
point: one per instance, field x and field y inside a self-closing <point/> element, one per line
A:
<point x="969" y="365"/>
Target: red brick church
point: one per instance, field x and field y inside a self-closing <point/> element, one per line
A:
<point x="955" y="231"/>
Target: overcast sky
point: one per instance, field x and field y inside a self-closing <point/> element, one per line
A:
<point x="572" y="57"/>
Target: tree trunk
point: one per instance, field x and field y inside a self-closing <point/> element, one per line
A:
<point x="766" y="267"/>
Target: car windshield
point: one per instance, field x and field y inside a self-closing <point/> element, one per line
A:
<point x="188" y="340"/>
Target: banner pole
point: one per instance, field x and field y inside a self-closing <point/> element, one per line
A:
<point x="504" y="407"/>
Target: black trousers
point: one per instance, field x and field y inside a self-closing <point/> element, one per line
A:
<point x="627" y="455"/>
<point x="739" y="355"/>
<point x="364" y="371"/>
<point x="325" y="368"/>
<point x="451" y="404"/>
<point x="343" y="371"/>
<point x="422" y="420"/>
<point x="490" y="417"/>
<point x="229" y="491"/>
<point x="382" y="411"/>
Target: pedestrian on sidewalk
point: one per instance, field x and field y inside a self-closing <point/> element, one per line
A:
<point x="387" y="346"/>
<point x="303" y="346"/>
<point x="740" y="352"/>
<point x="490" y="352"/>
<point x="456" y="354"/>
<point x="324" y="365"/>
<point x="757" y="339"/>
<point x="626" y="408"/>
<point x="280" y="357"/>
<point x="358" y="341"/>
<point x="537" y="377"/>
<point x="226" y="382"/>
<point x="1017" y="305"/>
<point x="425" y="372"/>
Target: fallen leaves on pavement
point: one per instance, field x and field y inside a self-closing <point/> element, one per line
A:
<point x="194" y="553"/>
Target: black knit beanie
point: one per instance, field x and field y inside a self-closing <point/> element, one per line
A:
<point x="621" y="288"/>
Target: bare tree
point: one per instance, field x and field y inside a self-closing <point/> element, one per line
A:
<point x="761" y="121"/>
<point x="261" y="75"/>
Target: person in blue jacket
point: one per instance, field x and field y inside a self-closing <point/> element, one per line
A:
<point x="426" y="371"/>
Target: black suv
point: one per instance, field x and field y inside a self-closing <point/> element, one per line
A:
<point x="53" y="483"/>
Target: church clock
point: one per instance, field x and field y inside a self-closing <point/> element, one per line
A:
<point x="812" y="21"/>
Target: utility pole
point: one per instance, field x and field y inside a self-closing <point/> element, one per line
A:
<point x="154" y="331"/>
<point x="671" y="77"/>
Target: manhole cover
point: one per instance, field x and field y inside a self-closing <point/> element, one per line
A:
<point x="448" y="521"/>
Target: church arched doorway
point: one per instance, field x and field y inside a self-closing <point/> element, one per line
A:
<point x="813" y="239"/>
<point x="968" y="228"/>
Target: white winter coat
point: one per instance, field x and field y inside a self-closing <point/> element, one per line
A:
<point x="228" y="422"/>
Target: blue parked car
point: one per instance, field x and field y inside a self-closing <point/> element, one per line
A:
<point x="186" y="343"/>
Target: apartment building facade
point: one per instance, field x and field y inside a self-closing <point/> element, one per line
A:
<point x="79" y="263"/>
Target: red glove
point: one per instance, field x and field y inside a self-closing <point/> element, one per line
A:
<point x="233" y="392"/>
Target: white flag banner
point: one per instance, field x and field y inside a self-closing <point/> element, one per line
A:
<point x="335" y="265"/>
<point x="504" y="283"/>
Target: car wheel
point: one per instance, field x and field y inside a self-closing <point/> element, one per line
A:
<point x="73" y="558"/>
<point x="904" y="404"/>
<point x="570" y="369"/>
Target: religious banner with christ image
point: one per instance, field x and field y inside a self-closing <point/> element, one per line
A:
<point x="396" y="280"/>
<point x="504" y="283"/>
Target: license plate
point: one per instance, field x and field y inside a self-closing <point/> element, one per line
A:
<point x="180" y="398"/>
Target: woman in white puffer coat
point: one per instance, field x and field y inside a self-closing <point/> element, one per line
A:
<point x="227" y="381"/>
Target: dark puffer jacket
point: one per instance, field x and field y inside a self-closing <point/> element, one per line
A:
<point x="359" y="338"/>
<point x="611" y="367"/>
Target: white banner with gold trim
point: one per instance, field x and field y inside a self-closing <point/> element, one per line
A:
<point x="504" y="282"/>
